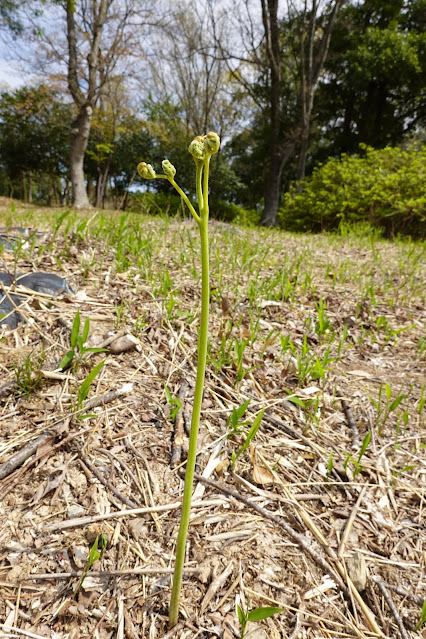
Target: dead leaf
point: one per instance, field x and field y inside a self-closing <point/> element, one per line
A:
<point x="53" y="482"/>
<point x="261" y="475"/>
<point x="357" y="570"/>
<point x="326" y="584"/>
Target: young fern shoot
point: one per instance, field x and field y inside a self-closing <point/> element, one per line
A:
<point x="201" y="149"/>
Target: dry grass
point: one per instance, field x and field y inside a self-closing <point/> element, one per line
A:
<point x="306" y="502"/>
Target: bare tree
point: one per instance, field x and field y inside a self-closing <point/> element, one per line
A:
<point x="108" y="124"/>
<point x="88" y="43"/>
<point x="84" y="100"/>
<point x="312" y="63"/>
<point x="263" y="49"/>
<point x="100" y="35"/>
<point x="188" y="70"/>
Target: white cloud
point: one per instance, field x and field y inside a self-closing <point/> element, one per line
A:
<point x="9" y="78"/>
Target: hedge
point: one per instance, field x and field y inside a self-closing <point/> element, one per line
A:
<point x="384" y="188"/>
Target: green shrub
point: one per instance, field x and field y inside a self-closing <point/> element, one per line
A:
<point x="155" y="204"/>
<point x="385" y="189"/>
<point x="230" y="212"/>
<point x="169" y="204"/>
<point x="247" y="217"/>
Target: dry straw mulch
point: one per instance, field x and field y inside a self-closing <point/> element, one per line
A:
<point x="304" y="523"/>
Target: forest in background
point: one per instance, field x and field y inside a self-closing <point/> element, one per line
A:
<point x="320" y="105"/>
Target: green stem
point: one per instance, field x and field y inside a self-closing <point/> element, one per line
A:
<point x="205" y="210"/>
<point x="183" y="196"/>
<point x="198" y="396"/>
<point x="198" y="184"/>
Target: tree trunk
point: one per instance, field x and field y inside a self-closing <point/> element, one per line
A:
<point x="101" y="185"/>
<point x="98" y="200"/>
<point x="105" y="187"/>
<point x="273" y="176"/>
<point x="124" y="201"/>
<point x="311" y="67"/>
<point x="65" y="193"/>
<point x="301" y="166"/>
<point x="90" y="190"/>
<point x="80" y="130"/>
<point x="273" y="180"/>
<point x="272" y="194"/>
<point x="56" y="190"/>
<point x="30" y="187"/>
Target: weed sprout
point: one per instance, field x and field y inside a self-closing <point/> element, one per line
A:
<point x="201" y="149"/>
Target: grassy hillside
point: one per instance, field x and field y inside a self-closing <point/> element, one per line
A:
<point x="326" y="333"/>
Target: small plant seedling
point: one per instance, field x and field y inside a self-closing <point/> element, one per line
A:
<point x="357" y="462"/>
<point x="342" y="340"/>
<point x="201" y="149"/>
<point x="59" y="218"/>
<point x="286" y="344"/>
<point x="240" y="347"/>
<point x="257" y="614"/>
<point x="234" y="422"/>
<point x="224" y="356"/>
<point x="75" y="355"/>
<point x="303" y="403"/>
<point x="174" y="403"/>
<point x="96" y="552"/>
<point x="120" y="312"/>
<point x="385" y="406"/>
<point x="323" y="324"/>
<point x="250" y="436"/>
<point x="28" y="376"/>
<point x="422" y="400"/>
<point x="422" y="621"/>
<point x="170" y="305"/>
<point x="140" y="323"/>
<point x="83" y="391"/>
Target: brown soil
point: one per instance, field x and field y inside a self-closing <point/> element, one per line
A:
<point x="309" y="505"/>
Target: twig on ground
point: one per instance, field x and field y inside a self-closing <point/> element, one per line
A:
<point x="106" y="483"/>
<point x="19" y="631"/>
<point x="107" y="397"/>
<point x="22" y="455"/>
<point x="129" y="472"/>
<point x="65" y="323"/>
<point x="350" y="421"/>
<point x="404" y="593"/>
<point x="178" y="432"/>
<point x="216" y="585"/>
<point x="293" y="433"/>
<point x="171" y="633"/>
<point x="25" y="453"/>
<point x="298" y="623"/>
<point x="130" y="629"/>
<point x="303" y="543"/>
<point x="45" y="452"/>
<point x="350" y="523"/>
<point x="7" y="388"/>
<point x="98" y="625"/>
<point x="79" y="522"/>
<point x="296" y="537"/>
<point x="392" y="608"/>
<point x="131" y="572"/>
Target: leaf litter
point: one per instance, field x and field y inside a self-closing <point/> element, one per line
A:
<point x="322" y="514"/>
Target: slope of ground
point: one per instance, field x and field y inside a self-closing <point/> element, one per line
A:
<point x="320" y="513"/>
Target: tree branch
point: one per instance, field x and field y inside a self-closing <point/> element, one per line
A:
<point x="73" y="83"/>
